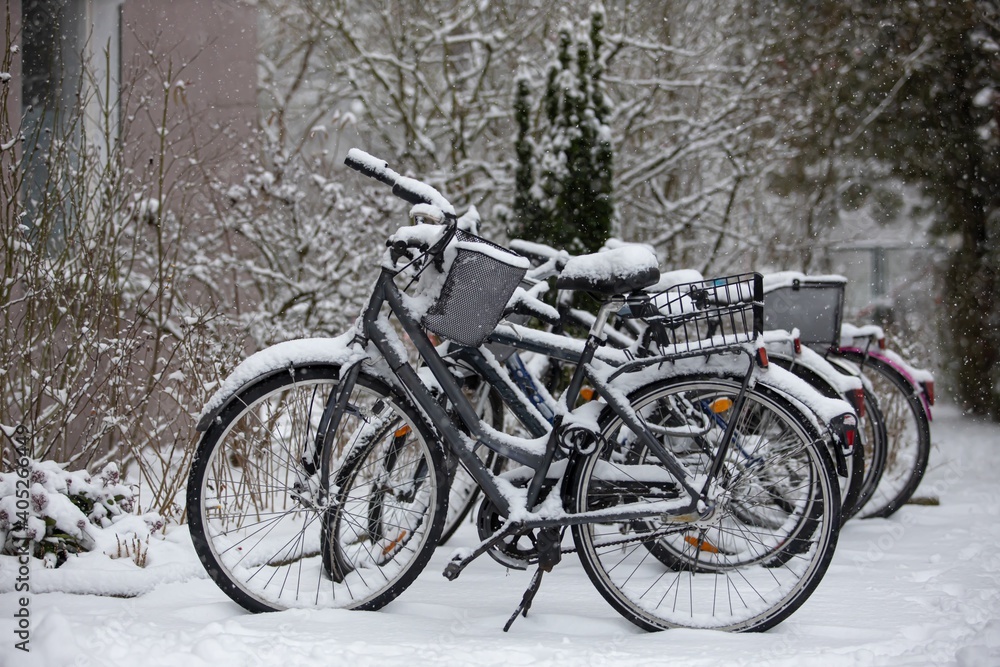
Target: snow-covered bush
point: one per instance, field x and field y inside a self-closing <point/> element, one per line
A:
<point x="309" y="243"/>
<point x="66" y="510"/>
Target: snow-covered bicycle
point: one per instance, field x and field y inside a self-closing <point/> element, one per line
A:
<point x="902" y="393"/>
<point x="320" y="479"/>
<point x="635" y="335"/>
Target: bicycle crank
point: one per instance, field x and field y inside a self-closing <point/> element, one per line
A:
<point x="516" y="550"/>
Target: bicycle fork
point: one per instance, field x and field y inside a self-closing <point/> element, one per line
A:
<point x="333" y="413"/>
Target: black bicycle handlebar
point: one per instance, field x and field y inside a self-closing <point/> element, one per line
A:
<point x="369" y="167"/>
<point x="408" y="189"/>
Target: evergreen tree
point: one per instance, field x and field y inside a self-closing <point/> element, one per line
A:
<point x="911" y="91"/>
<point x="945" y="135"/>
<point x="564" y="182"/>
<point x="603" y="208"/>
<point x="528" y="215"/>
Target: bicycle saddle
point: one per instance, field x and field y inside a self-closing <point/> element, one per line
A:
<point x="617" y="271"/>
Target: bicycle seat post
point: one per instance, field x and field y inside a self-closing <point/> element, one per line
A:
<point x="595" y="339"/>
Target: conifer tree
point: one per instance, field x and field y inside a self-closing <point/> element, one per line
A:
<point x="912" y="90"/>
<point x="528" y="212"/>
<point x="564" y="182"/>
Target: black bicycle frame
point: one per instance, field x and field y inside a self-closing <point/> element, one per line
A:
<point x="462" y="444"/>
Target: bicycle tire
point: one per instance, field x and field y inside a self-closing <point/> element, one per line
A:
<point x="908" y="436"/>
<point x="253" y="521"/>
<point x="780" y="568"/>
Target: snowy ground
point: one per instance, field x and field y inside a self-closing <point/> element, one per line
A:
<point x="921" y="588"/>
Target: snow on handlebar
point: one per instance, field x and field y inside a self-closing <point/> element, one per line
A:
<point x="407" y="189"/>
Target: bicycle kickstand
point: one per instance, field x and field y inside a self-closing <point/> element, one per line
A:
<point x="529" y="595"/>
<point x="549" y="555"/>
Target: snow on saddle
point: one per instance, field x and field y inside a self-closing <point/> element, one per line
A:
<point x="617" y="271"/>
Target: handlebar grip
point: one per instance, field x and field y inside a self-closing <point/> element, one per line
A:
<point x="370" y="166"/>
<point x="400" y="190"/>
<point x="408" y="189"/>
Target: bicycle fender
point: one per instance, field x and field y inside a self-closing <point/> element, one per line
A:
<point x="285" y="357"/>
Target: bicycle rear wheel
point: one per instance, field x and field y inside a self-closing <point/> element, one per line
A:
<point x="256" y="516"/>
<point x="864" y="464"/>
<point x="762" y="553"/>
<point x="908" y="437"/>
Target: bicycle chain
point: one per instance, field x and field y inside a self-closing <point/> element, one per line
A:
<point x="630" y="540"/>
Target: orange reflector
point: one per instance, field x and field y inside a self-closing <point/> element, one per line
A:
<point x="702" y="544"/>
<point x="929" y="391"/>
<point x="881" y="343"/>
<point x="392" y="545"/>
<point x="720" y="405"/>
<point x="587" y="394"/>
<point x="402" y="431"/>
<point x="762" y="357"/>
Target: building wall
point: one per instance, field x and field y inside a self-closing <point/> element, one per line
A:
<point x="10" y="21"/>
<point x="209" y="44"/>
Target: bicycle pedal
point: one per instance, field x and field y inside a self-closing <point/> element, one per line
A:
<point x="463" y="557"/>
<point x="452" y="570"/>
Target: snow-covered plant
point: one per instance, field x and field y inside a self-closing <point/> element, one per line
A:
<point x="133" y="547"/>
<point x="431" y="92"/>
<point x="691" y="125"/>
<point x="308" y="243"/>
<point x="65" y="510"/>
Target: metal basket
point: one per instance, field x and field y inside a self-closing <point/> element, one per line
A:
<point x="700" y="317"/>
<point x="815" y="306"/>
<point x="479" y="284"/>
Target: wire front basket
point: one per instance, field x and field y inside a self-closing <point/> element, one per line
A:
<point x="481" y="280"/>
<point x="701" y="317"/>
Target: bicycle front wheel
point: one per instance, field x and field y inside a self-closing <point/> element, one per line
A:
<point x="260" y="524"/>
<point x="764" y="550"/>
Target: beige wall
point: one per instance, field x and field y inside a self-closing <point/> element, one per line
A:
<point x="10" y="21"/>
<point x="211" y="43"/>
<point x="211" y="46"/>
